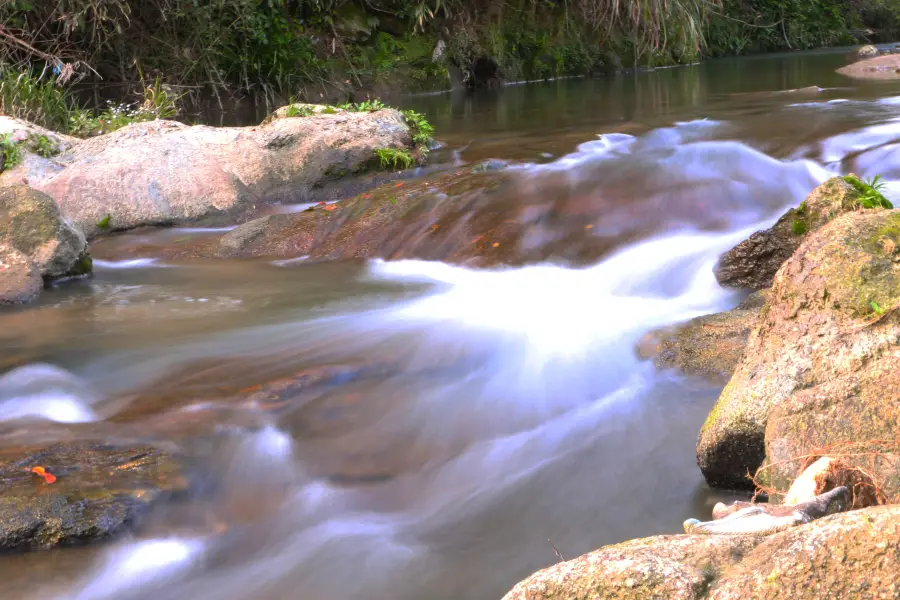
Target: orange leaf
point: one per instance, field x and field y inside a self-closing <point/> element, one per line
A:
<point x="399" y="185"/>
<point x="42" y="472"/>
<point x="495" y="244"/>
<point x="331" y="207"/>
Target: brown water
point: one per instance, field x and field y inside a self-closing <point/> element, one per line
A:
<point x="470" y="421"/>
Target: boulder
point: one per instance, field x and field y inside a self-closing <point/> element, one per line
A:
<point x="824" y="361"/>
<point x="709" y="346"/>
<point x="30" y="222"/>
<point x="848" y="555"/>
<point x="884" y="67"/>
<point x="753" y="263"/>
<point x="164" y="172"/>
<point x="20" y="280"/>
<point x="90" y="491"/>
<point x="43" y="151"/>
<point x="665" y="567"/>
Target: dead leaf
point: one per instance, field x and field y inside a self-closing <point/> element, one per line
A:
<point x="42" y="472"/>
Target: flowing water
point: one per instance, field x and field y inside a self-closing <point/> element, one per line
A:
<point x="488" y="420"/>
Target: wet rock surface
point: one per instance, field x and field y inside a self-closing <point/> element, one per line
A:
<point x="823" y="362"/>
<point x="709" y="346"/>
<point x="753" y="263"/>
<point x="99" y="490"/>
<point x="477" y="216"/>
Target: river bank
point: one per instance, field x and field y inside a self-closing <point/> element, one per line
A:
<point x="332" y="52"/>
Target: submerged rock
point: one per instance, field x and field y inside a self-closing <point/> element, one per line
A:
<point x="95" y="491"/>
<point x="753" y="263"/>
<point x="708" y="346"/>
<point x="823" y="367"/>
<point x="30" y="222"/>
<point x="163" y="172"/>
<point x="848" y="555"/>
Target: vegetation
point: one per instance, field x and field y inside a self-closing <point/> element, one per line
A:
<point x="10" y="153"/>
<point x="332" y="50"/>
<point x="870" y="191"/>
<point x="393" y="159"/>
<point x="42" y="146"/>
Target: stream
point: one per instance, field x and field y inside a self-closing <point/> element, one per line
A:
<point x="489" y="421"/>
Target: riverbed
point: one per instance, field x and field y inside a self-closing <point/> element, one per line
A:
<point x="484" y="423"/>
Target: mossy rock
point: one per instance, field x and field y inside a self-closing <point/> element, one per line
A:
<point x="709" y="346"/>
<point x="753" y="263"/>
<point x="822" y="352"/>
<point x="31" y="222"/>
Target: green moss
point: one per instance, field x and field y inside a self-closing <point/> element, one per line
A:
<point x="83" y="266"/>
<point x="799" y="227"/>
<point x="104" y="222"/>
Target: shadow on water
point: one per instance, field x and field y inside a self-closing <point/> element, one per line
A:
<point x="411" y="429"/>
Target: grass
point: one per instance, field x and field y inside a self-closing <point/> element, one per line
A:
<point x="393" y="159"/>
<point x="870" y="191"/>
<point x="35" y="97"/>
<point x="10" y="153"/>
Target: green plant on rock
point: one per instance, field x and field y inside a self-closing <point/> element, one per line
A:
<point x="298" y="110"/>
<point x="10" y="153"/>
<point x="870" y="191"/>
<point x="878" y="310"/>
<point x="365" y="106"/>
<point x="421" y="130"/>
<point x="42" y="146"/>
<point x="799" y="227"/>
<point x="391" y="158"/>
